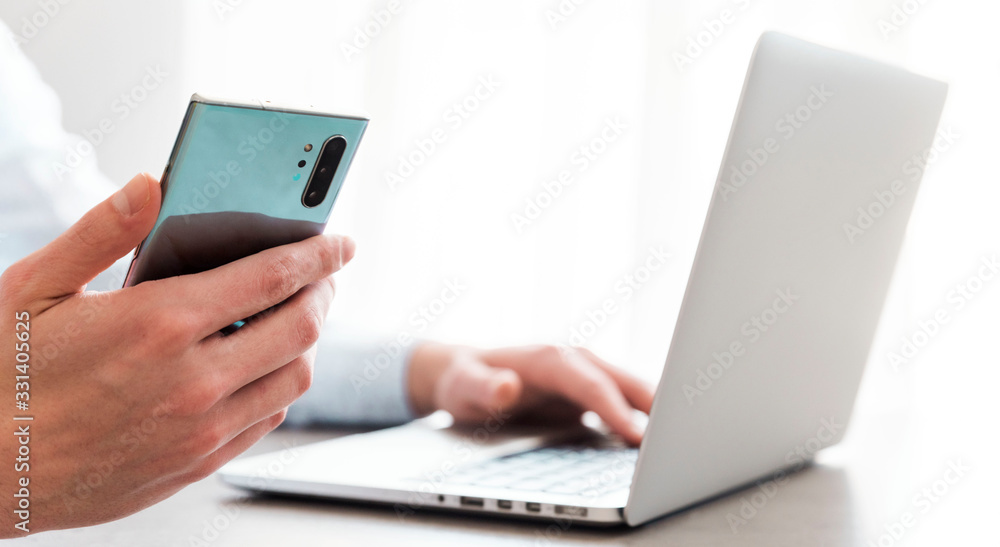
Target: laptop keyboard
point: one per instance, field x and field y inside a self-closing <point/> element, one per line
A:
<point x="557" y="470"/>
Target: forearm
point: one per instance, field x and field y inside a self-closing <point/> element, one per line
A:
<point x="427" y="363"/>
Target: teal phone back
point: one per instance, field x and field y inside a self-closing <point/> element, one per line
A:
<point x="234" y="186"/>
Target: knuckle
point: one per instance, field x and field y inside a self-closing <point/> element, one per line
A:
<point x="274" y="421"/>
<point x="550" y="364"/>
<point x="198" y="398"/>
<point x="308" y="327"/>
<point x="85" y="233"/>
<point x="303" y="375"/>
<point x="331" y="285"/>
<point x="207" y="440"/>
<point x="157" y="329"/>
<point x="329" y="256"/>
<point x="277" y="282"/>
<point x="171" y="328"/>
<point x="549" y="355"/>
<point x="601" y="364"/>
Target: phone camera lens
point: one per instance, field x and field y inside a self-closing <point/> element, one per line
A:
<point x="302" y="163"/>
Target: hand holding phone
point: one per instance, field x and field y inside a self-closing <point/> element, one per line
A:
<point x="136" y="393"/>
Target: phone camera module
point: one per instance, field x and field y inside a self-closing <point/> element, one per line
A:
<point x="326" y="168"/>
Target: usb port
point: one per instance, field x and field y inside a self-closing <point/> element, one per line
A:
<point x="571" y="511"/>
<point x="473" y="502"/>
<point x="504" y="504"/>
<point x="533" y="507"/>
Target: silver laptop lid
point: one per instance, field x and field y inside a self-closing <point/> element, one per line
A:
<point x="788" y="282"/>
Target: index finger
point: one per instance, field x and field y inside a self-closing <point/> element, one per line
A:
<point x="639" y="393"/>
<point x="580" y="381"/>
<point x="594" y="389"/>
<point x="242" y="288"/>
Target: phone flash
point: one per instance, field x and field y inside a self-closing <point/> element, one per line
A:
<point x="309" y="148"/>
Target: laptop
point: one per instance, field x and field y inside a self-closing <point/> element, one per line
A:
<point x="797" y="252"/>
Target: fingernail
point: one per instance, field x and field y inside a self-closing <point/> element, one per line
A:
<point x="133" y="197"/>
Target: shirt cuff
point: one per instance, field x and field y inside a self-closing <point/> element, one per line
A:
<point x="359" y="380"/>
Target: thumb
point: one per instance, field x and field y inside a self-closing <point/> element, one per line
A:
<point x="104" y="234"/>
<point x="475" y="388"/>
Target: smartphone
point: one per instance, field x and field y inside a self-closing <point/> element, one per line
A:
<point x="244" y="177"/>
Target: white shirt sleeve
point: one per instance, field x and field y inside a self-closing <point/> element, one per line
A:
<point x="49" y="179"/>
<point x="38" y="197"/>
<point x="359" y="379"/>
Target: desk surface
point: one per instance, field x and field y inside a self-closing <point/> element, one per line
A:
<point x="856" y="492"/>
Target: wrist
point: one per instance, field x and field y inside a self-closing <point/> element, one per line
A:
<point x="428" y="362"/>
